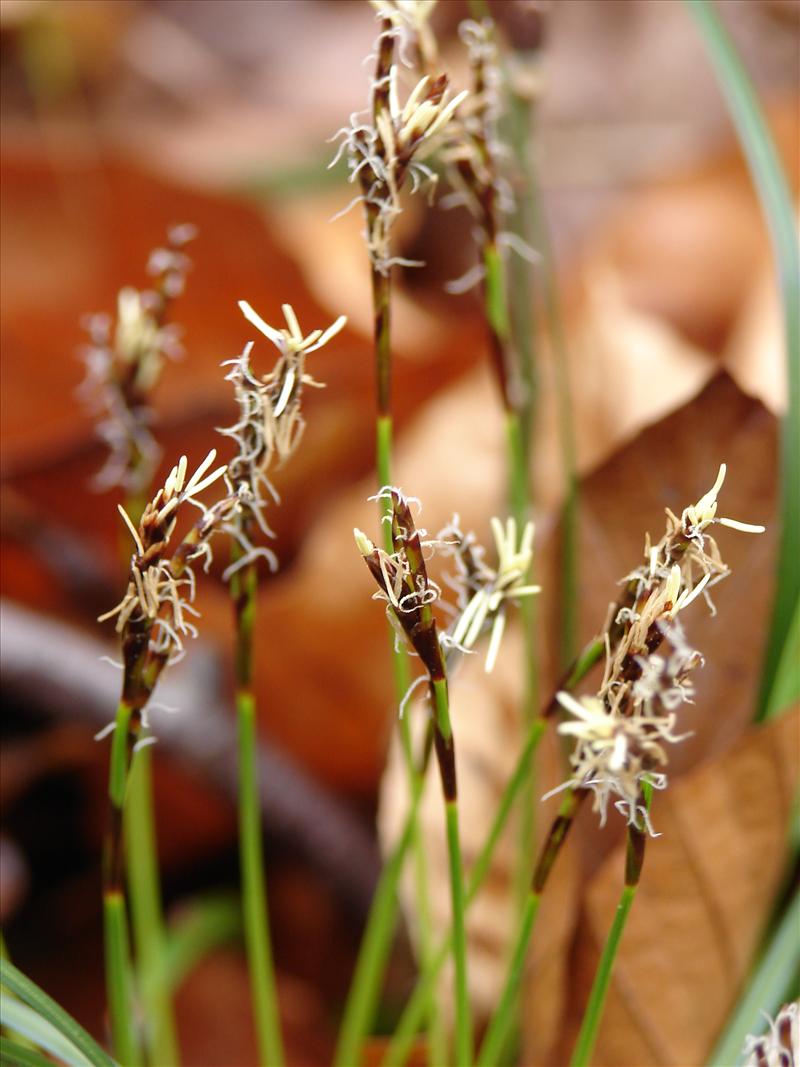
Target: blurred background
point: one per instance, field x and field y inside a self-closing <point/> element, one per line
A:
<point x="123" y="117"/>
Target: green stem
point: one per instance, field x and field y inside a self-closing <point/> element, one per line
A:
<point x="506" y="1013"/>
<point x="147" y="919"/>
<point x="414" y="1011"/>
<point x="408" y="1024"/>
<point x="243" y="588"/>
<point x="499" y="324"/>
<point x="463" y="1014"/>
<point x="119" y="975"/>
<point x="119" y="980"/>
<point x="508" y="300"/>
<point x="446" y="756"/>
<point x="503" y="1019"/>
<point x="593" y="1015"/>
<point x="381" y="288"/>
<point x="254" y="891"/>
<point x="777" y="207"/>
<point x="521" y="114"/>
<point x="594" y="1009"/>
<point x="373" y="952"/>
<point x="519" y="496"/>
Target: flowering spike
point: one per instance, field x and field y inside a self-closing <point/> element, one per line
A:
<point x="622" y="734"/>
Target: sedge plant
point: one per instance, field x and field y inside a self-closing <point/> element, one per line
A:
<point x="152" y="620"/>
<point x="124" y="362"/>
<point x="410" y="594"/>
<point x="385" y="152"/>
<point x="267" y="432"/>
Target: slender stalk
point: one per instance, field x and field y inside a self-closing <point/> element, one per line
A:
<point x="375" y="944"/>
<point x="445" y="754"/>
<point x="119" y="980"/>
<point x="144" y="885"/>
<point x="594" y="1009"/>
<point x="254" y="892"/>
<point x="776" y="205"/>
<point x="119" y="975"/>
<point x="518" y="488"/>
<point x="505" y="1014"/>
<point x="515" y="332"/>
<point x="593" y="1015"/>
<point x="405" y="1031"/>
<point x="503" y="1020"/>
<point x="381" y="304"/>
<point x="147" y="919"/>
<point x="408" y="1024"/>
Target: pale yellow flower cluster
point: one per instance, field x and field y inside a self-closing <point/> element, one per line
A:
<point x="161" y="585"/>
<point x="271" y="423"/>
<point x="388" y="147"/>
<point x="622" y="733"/>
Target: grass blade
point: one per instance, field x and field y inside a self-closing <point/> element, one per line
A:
<point x="776" y="204"/>
<point x="14" y="1055"/>
<point x="28" y="992"/>
<point x="27" y="1023"/>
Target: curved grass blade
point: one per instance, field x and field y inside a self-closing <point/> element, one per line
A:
<point x="14" y="1055"/>
<point x="28" y="992"/>
<point x="776" y="204"/>
<point x="28" y="1023"/>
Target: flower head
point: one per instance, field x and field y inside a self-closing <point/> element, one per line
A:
<point x="152" y="616"/>
<point x="270" y="423"/>
<point x="410" y="19"/>
<point x="124" y="362"/>
<point x="781" y="1046"/>
<point x="616" y="753"/>
<point x="622" y="732"/>
<point x="403" y="581"/>
<point x="687" y="544"/>
<point x="485" y="591"/>
<point x="390" y="145"/>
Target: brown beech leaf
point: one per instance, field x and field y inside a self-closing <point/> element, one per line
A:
<point x="684" y="244"/>
<point x="708" y="886"/>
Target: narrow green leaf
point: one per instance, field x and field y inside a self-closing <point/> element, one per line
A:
<point x="786" y="689"/>
<point x="205" y="923"/>
<point x="14" y="1055"/>
<point x="25" y="1021"/>
<point x="28" y="992"/>
<point x="776" y="204"/>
